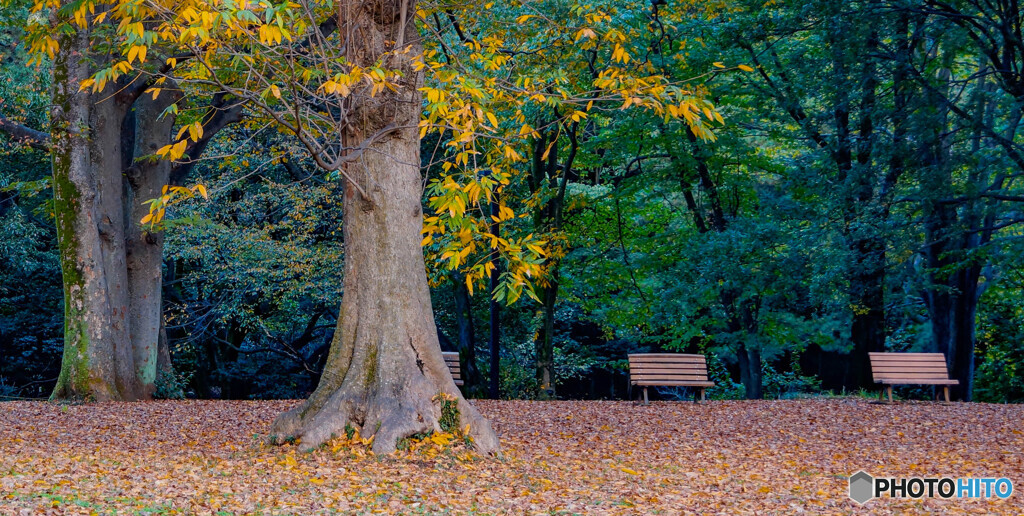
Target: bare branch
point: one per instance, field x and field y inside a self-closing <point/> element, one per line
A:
<point x="36" y="139"/>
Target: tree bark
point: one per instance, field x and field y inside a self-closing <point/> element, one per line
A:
<point x="98" y="362"/>
<point x="544" y="344"/>
<point x="385" y="367"/>
<point x="385" y="371"/>
<point x="549" y="218"/>
<point x="143" y="248"/>
<point x="750" y="372"/>
<point x="111" y="266"/>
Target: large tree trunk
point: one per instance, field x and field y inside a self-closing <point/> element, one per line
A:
<point x="98" y="361"/>
<point x="385" y="372"/>
<point x="385" y="368"/>
<point x="111" y="266"/>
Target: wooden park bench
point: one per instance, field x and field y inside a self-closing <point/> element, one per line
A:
<point x="669" y="370"/>
<point x="452" y="359"/>
<point x="891" y="369"/>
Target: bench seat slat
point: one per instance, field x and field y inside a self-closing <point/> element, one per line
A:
<point x="936" y="363"/>
<point x="669" y="374"/>
<point x="916" y="381"/>
<point x="891" y="370"/>
<point x="671" y="365"/>
<point x="901" y="353"/>
<point x="907" y="360"/>
<point x="668" y="361"/>
<point x="907" y="357"/>
<point x="669" y="378"/>
<point x="674" y="383"/>
<point x="912" y="371"/>
<point x="908" y="365"/>
<point x="881" y="363"/>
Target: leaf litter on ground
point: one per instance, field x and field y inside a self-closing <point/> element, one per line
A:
<point x="585" y="457"/>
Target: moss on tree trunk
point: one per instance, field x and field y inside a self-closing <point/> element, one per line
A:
<point x="111" y="269"/>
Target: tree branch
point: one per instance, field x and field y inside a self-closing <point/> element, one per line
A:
<point x="219" y="116"/>
<point x="35" y="139"/>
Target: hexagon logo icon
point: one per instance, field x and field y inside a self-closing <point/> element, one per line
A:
<point x="862" y="487"/>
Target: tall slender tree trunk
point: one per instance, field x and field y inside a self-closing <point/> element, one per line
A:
<point x="466" y="337"/>
<point x="385" y="371"/>
<point x="857" y="173"/>
<point x="951" y="236"/>
<point x="144" y="249"/>
<point x="868" y="296"/>
<point x="963" y="325"/>
<point x="548" y="218"/>
<point x="544" y="343"/>
<point x="750" y="372"/>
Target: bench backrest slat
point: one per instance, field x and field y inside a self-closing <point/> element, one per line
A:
<point x="668" y="367"/>
<point x="451" y="359"/>
<point x="908" y="366"/>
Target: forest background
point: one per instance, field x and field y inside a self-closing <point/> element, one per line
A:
<point x="852" y="185"/>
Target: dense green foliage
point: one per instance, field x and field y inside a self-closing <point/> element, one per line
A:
<point x="863" y="195"/>
<point x="30" y="287"/>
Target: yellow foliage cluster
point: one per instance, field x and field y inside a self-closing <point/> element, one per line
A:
<point x="579" y="63"/>
<point x="482" y="98"/>
<point x="169" y="195"/>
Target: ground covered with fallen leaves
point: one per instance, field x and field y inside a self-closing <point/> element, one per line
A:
<point x="588" y="457"/>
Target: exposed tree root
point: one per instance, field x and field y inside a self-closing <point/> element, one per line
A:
<point x="389" y="419"/>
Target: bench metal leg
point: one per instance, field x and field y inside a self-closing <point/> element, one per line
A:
<point x="888" y="390"/>
<point x="702" y="398"/>
<point x="945" y="392"/>
<point x="645" y="397"/>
